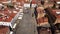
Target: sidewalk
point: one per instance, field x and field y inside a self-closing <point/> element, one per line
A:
<point x="27" y="25"/>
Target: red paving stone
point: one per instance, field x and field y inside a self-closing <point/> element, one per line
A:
<point x="10" y="15"/>
<point x="4" y="30"/>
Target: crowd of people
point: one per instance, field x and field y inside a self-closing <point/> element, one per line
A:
<point x="44" y="17"/>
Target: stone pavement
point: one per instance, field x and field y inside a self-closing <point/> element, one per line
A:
<point x="27" y="25"/>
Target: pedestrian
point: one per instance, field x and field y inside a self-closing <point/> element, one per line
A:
<point x="35" y="12"/>
<point x="30" y="4"/>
